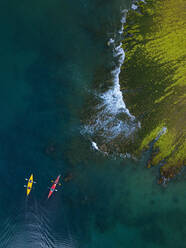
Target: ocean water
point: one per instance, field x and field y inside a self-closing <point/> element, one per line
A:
<point x="49" y="52"/>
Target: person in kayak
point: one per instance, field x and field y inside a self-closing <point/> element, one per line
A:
<point x="53" y="188"/>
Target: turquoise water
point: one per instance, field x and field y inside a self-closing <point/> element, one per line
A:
<point x="50" y="51"/>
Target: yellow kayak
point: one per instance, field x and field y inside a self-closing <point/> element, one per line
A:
<point x="29" y="185"/>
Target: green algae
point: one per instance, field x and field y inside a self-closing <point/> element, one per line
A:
<point x="166" y="144"/>
<point x="154" y="71"/>
<point x="152" y="136"/>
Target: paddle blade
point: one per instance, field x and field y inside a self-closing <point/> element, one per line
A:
<point x="26" y="179"/>
<point x="25" y="186"/>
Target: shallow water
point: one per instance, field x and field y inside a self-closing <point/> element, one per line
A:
<point x="49" y="53"/>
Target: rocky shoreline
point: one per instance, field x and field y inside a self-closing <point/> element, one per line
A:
<point x="153" y="81"/>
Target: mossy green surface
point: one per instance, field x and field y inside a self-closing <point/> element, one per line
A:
<point x="153" y="77"/>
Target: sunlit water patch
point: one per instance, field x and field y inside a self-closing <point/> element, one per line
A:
<point x="104" y="202"/>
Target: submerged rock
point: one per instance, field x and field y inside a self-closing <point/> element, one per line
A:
<point x="68" y="177"/>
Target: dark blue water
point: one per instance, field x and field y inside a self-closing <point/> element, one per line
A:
<point x="49" y="52"/>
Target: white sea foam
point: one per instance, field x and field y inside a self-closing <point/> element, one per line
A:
<point x="113" y="118"/>
<point x="123" y="20"/>
<point x="111" y="41"/>
<point x="113" y="98"/>
<point x="134" y="6"/>
<point x="95" y="146"/>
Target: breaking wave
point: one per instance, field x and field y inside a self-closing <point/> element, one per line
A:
<point x="112" y="117"/>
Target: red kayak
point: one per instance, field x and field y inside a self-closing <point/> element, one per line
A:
<point x="53" y="188"/>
